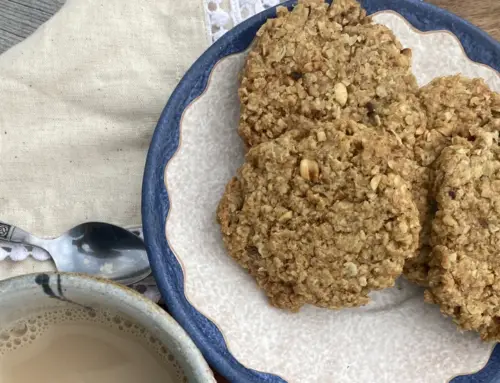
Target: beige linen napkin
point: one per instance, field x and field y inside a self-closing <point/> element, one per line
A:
<point x="78" y="104"/>
<point x="79" y="101"/>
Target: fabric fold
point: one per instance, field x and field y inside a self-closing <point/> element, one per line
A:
<point x="79" y="100"/>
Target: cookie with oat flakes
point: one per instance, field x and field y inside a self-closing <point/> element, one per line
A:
<point x="454" y="105"/>
<point x="420" y="178"/>
<point x="417" y="176"/>
<point x="318" y="217"/>
<point x="325" y="63"/>
<point x="463" y="275"/>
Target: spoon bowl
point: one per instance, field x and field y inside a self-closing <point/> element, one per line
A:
<point x="94" y="248"/>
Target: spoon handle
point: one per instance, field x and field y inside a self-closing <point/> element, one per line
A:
<point x="6" y="231"/>
<point x="14" y="234"/>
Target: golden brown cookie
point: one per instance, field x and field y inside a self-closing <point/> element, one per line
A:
<point x="454" y="106"/>
<point x="464" y="277"/>
<point x="325" y="63"/>
<point x="416" y="268"/>
<point x="318" y="216"/>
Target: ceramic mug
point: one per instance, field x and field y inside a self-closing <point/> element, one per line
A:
<point x="21" y="296"/>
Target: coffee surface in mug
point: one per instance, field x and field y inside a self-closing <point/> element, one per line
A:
<point x="81" y="345"/>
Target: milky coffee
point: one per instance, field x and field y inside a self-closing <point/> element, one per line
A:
<point x="80" y="345"/>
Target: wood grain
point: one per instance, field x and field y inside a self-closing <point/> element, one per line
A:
<point x="20" y="18"/>
<point x="483" y="13"/>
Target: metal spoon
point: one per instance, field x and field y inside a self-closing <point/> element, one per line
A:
<point x="95" y="248"/>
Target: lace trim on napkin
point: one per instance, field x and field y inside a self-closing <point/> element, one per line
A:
<point x="20" y="252"/>
<point x="222" y="15"/>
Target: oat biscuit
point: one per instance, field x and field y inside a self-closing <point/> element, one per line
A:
<point x="325" y="63"/>
<point x="463" y="277"/>
<point x="417" y="176"/>
<point x="454" y="105"/>
<point x="318" y="217"/>
<point x="416" y="268"/>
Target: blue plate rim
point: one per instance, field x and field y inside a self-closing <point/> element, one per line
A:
<point x="424" y="17"/>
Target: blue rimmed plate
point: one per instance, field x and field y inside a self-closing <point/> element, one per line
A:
<point x="194" y="152"/>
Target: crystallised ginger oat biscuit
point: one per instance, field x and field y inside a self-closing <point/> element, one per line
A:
<point x="454" y="106"/>
<point x="464" y="269"/>
<point x="319" y="218"/>
<point x="325" y="63"/>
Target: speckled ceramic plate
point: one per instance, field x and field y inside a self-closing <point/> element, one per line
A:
<point x="196" y="150"/>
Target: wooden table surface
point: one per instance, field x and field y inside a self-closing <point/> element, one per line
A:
<point x="20" y="18"/>
<point x="483" y="13"/>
